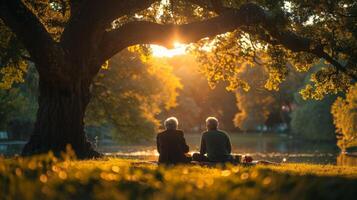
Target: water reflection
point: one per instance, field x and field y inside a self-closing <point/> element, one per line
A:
<point x="314" y="158"/>
<point x="11" y="148"/>
<point x="267" y="146"/>
<point x="347" y="160"/>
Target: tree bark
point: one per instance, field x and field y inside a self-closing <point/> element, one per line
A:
<point x="60" y="121"/>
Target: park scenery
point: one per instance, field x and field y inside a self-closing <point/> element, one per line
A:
<point x="178" y="99"/>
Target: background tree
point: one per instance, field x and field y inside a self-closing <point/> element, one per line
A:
<point x="130" y="93"/>
<point x="259" y="106"/>
<point x="12" y="64"/>
<point x="196" y="100"/>
<point x="312" y="120"/>
<point x="70" y="40"/>
<point x="18" y="107"/>
<point x="345" y="118"/>
<point x="257" y="103"/>
<point x="330" y="23"/>
<point x="12" y="103"/>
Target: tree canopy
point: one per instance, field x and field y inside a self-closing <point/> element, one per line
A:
<point x="130" y="93"/>
<point x="345" y="118"/>
<point x="295" y="31"/>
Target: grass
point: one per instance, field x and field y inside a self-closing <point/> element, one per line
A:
<point x="46" y="177"/>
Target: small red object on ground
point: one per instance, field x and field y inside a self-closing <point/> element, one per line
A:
<point x="247" y="159"/>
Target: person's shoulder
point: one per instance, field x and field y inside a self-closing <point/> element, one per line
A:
<point x="160" y="133"/>
<point x="180" y="132"/>
<point x="223" y="132"/>
<point x="204" y="133"/>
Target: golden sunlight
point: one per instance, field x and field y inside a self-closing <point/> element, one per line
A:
<point x="160" y="51"/>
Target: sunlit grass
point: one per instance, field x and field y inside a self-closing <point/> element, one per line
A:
<point x="46" y="177"/>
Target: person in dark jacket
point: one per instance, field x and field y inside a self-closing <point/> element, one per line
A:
<point x="215" y="143"/>
<point x="171" y="144"/>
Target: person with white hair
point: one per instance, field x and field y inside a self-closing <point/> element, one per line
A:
<point x="171" y="144"/>
<point x="215" y="143"/>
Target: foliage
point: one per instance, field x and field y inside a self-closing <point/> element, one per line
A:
<point x="12" y="66"/>
<point x="220" y="59"/>
<point x="13" y="55"/>
<point x="53" y="14"/>
<point x="196" y="100"/>
<point x="312" y="119"/>
<point x="47" y="177"/>
<point x="332" y="23"/>
<point x="16" y="102"/>
<point x="11" y="103"/>
<point x="12" y="74"/>
<point x="129" y="94"/>
<point x="344" y="111"/>
<point x="19" y="102"/>
<point x="258" y="104"/>
<point x="323" y="82"/>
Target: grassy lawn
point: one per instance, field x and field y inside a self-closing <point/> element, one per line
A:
<point x="45" y="177"/>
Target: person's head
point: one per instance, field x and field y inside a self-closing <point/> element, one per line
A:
<point x="212" y="123"/>
<point x="171" y="123"/>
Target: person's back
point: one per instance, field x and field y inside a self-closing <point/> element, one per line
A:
<point x="171" y="144"/>
<point x="217" y="145"/>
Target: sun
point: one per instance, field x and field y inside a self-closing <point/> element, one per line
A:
<point x="160" y="51"/>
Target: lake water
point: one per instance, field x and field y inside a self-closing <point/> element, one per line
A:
<point x="272" y="147"/>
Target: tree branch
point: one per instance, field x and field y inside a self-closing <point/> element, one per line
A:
<point x="28" y="29"/>
<point x="113" y="9"/>
<point x="143" y="32"/>
<point x="87" y="24"/>
<point x="229" y="19"/>
<point x="286" y="38"/>
<point x="28" y="58"/>
<point x="44" y="51"/>
<point x="335" y="63"/>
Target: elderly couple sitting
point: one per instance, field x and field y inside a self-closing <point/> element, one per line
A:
<point x="173" y="149"/>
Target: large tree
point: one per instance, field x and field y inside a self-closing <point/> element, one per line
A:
<point x="69" y="41"/>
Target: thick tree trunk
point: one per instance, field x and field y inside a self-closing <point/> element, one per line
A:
<point x="60" y="121"/>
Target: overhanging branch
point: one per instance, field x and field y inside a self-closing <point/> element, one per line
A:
<point x="28" y="29"/>
<point x="288" y="39"/>
<point x="86" y="26"/>
<point x="336" y="64"/>
<point x="229" y="19"/>
<point x="43" y="50"/>
<point x="143" y="32"/>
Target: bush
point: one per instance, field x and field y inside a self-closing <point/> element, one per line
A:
<point x="312" y="120"/>
<point x="345" y="118"/>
